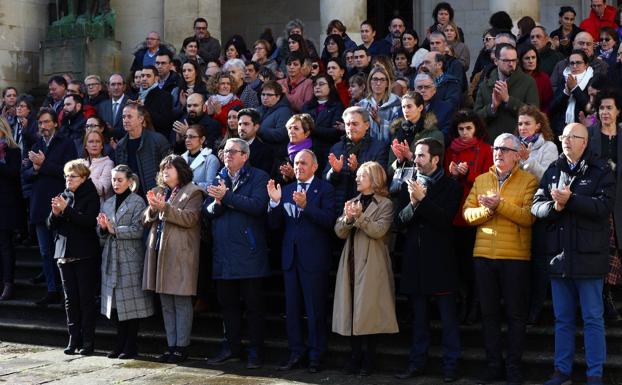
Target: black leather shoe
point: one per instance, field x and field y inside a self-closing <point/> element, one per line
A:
<point x="127" y="355"/>
<point x="179" y="355"/>
<point x="410" y="372"/>
<point x="86" y="350"/>
<point x="114" y="354"/>
<point x="52" y="297"/>
<point x="70" y="350"/>
<point x="164" y="357"/>
<point x="294" y="362"/>
<point x="223" y="356"/>
<point x="253" y="363"/>
<point x="39" y="278"/>
<point x="314" y="367"/>
<point x="450" y="376"/>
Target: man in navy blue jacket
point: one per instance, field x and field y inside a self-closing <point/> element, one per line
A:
<point x="44" y="171"/>
<point x="306" y="208"/>
<point x="236" y="205"/>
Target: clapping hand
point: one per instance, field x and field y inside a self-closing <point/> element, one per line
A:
<point x="571" y="83"/>
<point x="490" y="201"/>
<point x="218" y="192"/>
<point x="524" y="152"/>
<point x="156" y="201"/>
<point x="353" y="210"/>
<point x="58" y="205"/>
<point x="104" y="223"/>
<point x="457" y="169"/>
<point x="401" y="150"/>
<point x="180" y="128"/>
<point x="287" y="171"/>
<point x="335" y="164"/>
<point x="560" y="197"/>
<point x="300" y="197"/>
<point x="416" y="190"/>
<point x="274" y="191"/>
<point x="353" y="163"/>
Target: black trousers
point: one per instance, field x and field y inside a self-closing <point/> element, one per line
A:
<point x="127" y="334"/>
<point x="7" y="256"/>
<point x="80" y="285"/>
<point x="231" y="293"/>
<point x="507" y="279"/>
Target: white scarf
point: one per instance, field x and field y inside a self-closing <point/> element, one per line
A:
<point x="223" y="99"/>
<point x="582" y="80"/>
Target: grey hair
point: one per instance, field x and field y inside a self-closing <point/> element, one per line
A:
<point x="356" y="110"/>
<point x="294" y="23"/>
<point x="234" y="63"/>
<point x="440" y="34"/>
<point x="129" y="174"/>
<point x="509" y="36"/>
<point x="505" y="136"/>
<point x="244" y="147"/>
<point x="424" y="76"/>
<point x="307" y="151"/>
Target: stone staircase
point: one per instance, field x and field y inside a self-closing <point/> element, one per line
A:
<point x="22" y="321"/>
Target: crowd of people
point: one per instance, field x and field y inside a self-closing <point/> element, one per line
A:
<point x="199" y="167"/>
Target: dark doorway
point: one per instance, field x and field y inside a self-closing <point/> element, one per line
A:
<point x="380" y="12"/>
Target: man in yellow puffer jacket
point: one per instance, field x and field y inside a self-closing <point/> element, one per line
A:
<point x="499" y="205"/>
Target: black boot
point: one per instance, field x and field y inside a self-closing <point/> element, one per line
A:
<point x="474" y="312"/>
<point x="7" y="293"/>
<point x="611" y="313"/>
<point x="354" y="363"/>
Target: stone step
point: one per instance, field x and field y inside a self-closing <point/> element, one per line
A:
<point x="390" y="358"/>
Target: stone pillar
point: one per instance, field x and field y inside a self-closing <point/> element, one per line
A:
<point x="135" y="19"/>
<point x="22" y="28"/>
<point x="179" y="16"/>
<point x="350" y="12"/>
<point x="517" y="9"/>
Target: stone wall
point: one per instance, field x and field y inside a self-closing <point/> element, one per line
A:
<point x="22" y="27"/>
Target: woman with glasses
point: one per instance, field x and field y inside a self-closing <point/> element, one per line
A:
<point x="325" y="109"/>
<point x="529" y="62"/>
<point x="77" y="253"/>
<point x="98" y="163"/>
<point x="484" y="58"/>
<point x="563" y="37"/>
<point x="571" y="98"/>
<point x="608" y="45"/>
<point x="383" y="106"/>
<point x="203" y="163"/>
<point x="261" y="51"/>
<point x="25" y="130"/>
<point x="605" y="143"/>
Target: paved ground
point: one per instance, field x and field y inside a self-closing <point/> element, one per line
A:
<point x="29" y="364"/>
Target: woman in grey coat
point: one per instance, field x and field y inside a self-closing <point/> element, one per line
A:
<point x="120" y="226"/>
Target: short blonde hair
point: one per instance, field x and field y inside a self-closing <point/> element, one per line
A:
<point x="378" y="177"/>
<point x="78" y="166"/>
<point x="306" y="121"/>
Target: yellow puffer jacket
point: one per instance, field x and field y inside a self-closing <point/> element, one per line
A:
<point x="506" y="232"/>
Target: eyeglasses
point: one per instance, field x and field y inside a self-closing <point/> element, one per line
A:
<point x="190" y="137"/>
<point x="489" y="38"/>
<point x="576" y="63"/>
<point x="267" y="95"/>
<point x="424" y="87"/>
<point x="378" y="80"/>
<point x="569" y="137"/>
<point x="504" y="150"/>
<point x="72" y="176"/>
<point x="315" y="66"/>
<point x="91" y="85"/>
<point x="91" y="125"/>
<point x="232" y="151"/>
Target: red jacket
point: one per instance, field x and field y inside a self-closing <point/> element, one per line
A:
<point x="221" y="117"/>
<point x="344" y="94"/>
<point x="545" y="89"/>
<point x="479" y="159"/>
<point x="593" y="23"/>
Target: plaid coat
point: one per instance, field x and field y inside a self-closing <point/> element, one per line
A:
<point x="122" y="261"/>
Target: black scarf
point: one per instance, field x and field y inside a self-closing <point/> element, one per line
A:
<point x="430" y="180"/>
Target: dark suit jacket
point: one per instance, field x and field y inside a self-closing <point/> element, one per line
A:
<point x="160" y="106"/>
<point x="49" y="180"/>
<point x="104" y="110"/>
<point x="309" y="234"/>
<point x="261" y="156"/>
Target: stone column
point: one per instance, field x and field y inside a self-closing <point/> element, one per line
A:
<point x="134" y="20"/>
<point x="517" y="9"/>
<point x="179" y="16"/>
<point x="350" y="12"/>
<point x="22" y="28"/>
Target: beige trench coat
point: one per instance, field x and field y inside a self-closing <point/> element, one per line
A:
<point x="374" y="293"/>
<point x="175" y="269"/>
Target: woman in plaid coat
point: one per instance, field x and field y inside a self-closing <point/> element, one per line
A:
<point x="120" y="225"/>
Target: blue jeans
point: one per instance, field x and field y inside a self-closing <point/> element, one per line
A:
<point x="421" y="331"/>
<point x="46" y="248"/>
<point x="588" y="292"/>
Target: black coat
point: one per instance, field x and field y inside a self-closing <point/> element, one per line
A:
<point x="557" y="108"/>
<point x="72" y="127"/>
<point x="324" y="135"/>
<point x="160" y="106"/>
<point x="49" y="180"/>
<point x="211" y="130"/>
<point x="11" y="204"/>
<point x="428" y="261"/>
<point x="78" y="224"/>
<point x="577" y="238"/>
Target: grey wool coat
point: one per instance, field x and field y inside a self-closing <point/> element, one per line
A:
<point x="122" y="261"/>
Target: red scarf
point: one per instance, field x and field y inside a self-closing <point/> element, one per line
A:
<point x="459" y="144"/>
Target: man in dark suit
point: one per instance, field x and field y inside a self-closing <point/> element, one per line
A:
<point x="444" y="111"/>
<point x="111" y="110"/>
<point x="248" y="125"/>
<point x="307" y="211"/>
<point x="158" y="103"/>
<point x="44" y="171"/>
<point x="196" y="115"/>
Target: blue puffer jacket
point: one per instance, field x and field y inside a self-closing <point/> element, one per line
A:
<point x="344" y="181"/>
<point x="239" y="225"/>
